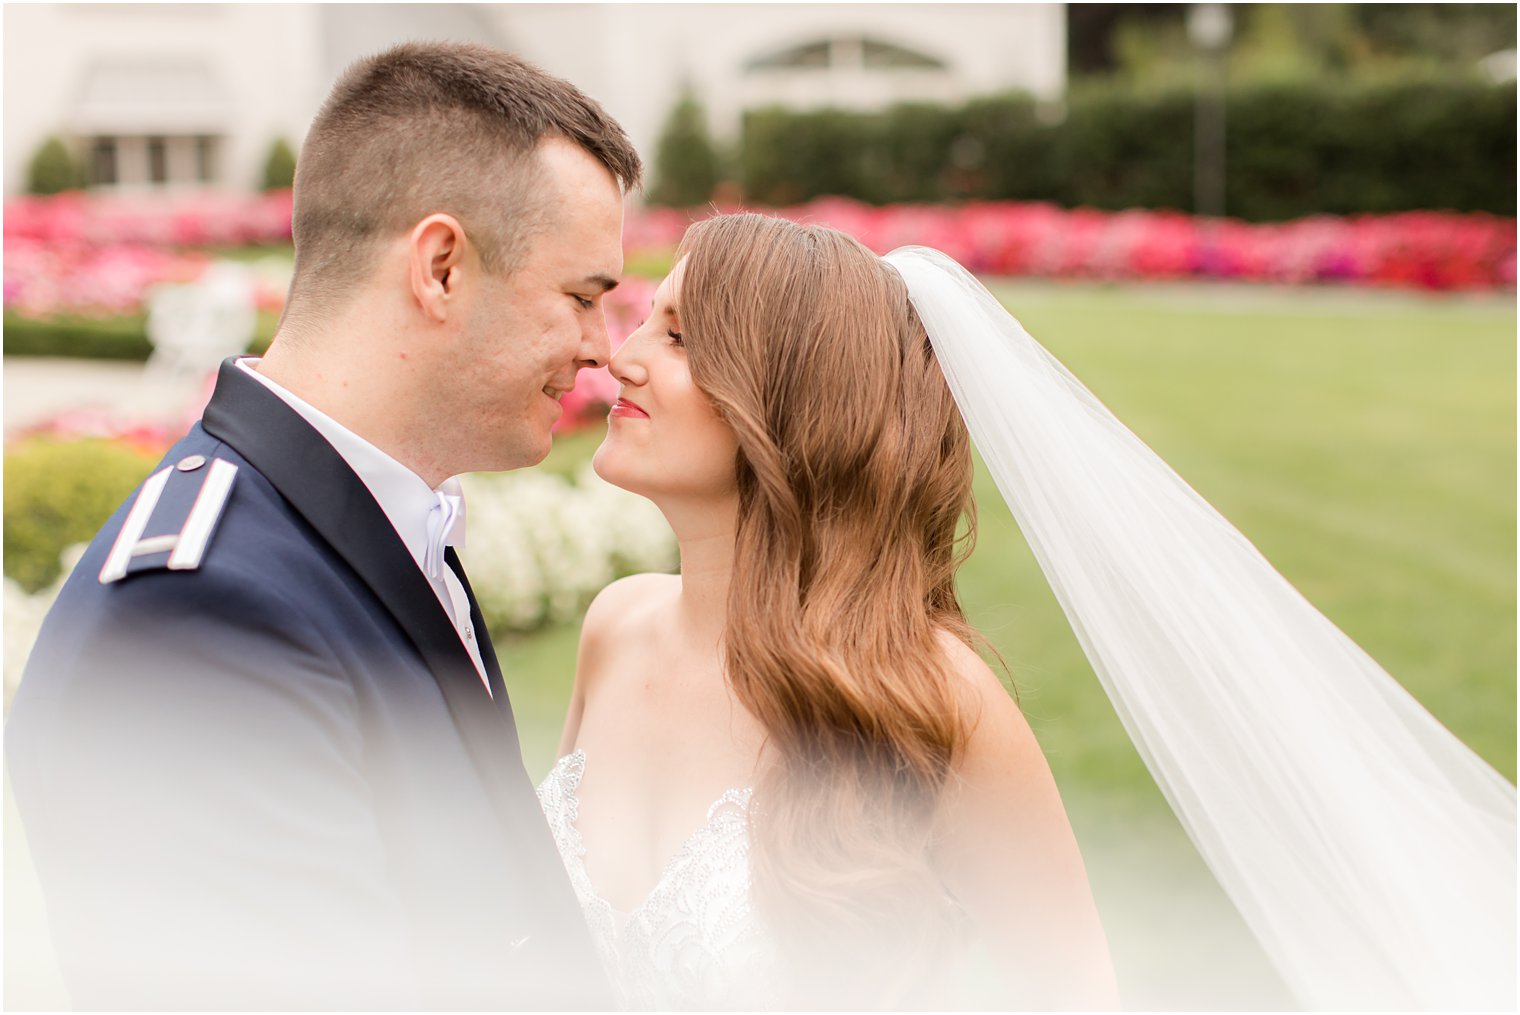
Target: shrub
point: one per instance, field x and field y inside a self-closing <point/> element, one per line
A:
<point x="1125" y="149"/>
<point x="1295" y="148"/>
<point x="58" y="493"/>
<point x="53" y="169"/>
<point x="913" y="153"/>
<point x="121" y="337"/>
<point x="279" y="166"/>
<point x="1009" y="150"/>
<point x="686" y="163"/>
<point x="1375" y="146"/>
<point x="792" y="157"/>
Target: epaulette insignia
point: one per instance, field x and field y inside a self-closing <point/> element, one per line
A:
<point x="181" y="504"/>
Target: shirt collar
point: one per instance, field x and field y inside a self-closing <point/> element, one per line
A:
<point x="400" y="492"/>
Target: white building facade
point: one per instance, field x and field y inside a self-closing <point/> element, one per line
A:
<point x="172" y="96"/>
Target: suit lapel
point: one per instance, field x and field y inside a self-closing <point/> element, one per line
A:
<point x="320" y="486"/>
<point x="316" y="481"/>
<point x="483" y="636"/>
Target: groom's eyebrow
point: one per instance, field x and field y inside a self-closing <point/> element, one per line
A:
<point x="607" y="282"/>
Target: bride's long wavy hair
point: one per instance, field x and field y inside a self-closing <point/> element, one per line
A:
<point x="854" y="475"/>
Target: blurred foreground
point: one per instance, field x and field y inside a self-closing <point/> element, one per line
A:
<point x="1364" y="441"/>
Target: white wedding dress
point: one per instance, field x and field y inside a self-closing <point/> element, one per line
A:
<point x="694" y="943"/>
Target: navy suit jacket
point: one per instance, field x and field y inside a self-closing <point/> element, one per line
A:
<point x="276" y="780"/>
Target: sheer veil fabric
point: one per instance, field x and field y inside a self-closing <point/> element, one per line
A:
<point x="1370" y="851"/>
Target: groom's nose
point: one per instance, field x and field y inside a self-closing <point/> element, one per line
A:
<point x="596" y="346"/>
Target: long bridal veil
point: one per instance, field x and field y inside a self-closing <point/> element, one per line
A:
<point x="1369" y="850"/>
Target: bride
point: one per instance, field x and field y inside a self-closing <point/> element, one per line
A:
<point x="788" y="778"/>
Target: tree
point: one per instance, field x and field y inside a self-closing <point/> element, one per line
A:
<point x="53" y="169"/>
<point x="279" y="166"/>
<point x="686" y="164"/>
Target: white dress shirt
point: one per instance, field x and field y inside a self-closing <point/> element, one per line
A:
<point x="407" y="503"/>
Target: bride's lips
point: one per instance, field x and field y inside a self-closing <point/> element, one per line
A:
<point x="625" y="409"/>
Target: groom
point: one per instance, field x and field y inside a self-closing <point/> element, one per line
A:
<point x="263" y="751"/>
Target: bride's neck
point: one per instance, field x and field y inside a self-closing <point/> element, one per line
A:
<point x="706" y="540"/>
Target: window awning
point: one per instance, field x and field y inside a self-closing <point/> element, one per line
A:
<point x="150" y="98"/>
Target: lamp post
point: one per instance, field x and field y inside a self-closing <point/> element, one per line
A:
<point x="1209" y="27"/>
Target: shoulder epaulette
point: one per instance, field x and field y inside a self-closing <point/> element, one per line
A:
<point x="180" y="506"/>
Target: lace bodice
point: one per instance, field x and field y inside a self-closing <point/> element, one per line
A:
<point x="694" y="943"/>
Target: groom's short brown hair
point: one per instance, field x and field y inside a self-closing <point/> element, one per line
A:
<point x="433" y="127"/>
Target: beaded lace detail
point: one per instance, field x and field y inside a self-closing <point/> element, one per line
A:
<point x="694" y="943"/>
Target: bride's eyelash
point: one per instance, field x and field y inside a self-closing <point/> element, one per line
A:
<point x="675" y="336"/>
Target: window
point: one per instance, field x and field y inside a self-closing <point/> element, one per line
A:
<point x="102" y="168"/>
<point x="848" y="72"/>
<point x="847" y="52"/>
<point x="888" y="56"/>
<point x="158" y="160"/>
<point x="814" y="54"/>
<point x="205" y="159"/>
<point x="154" y="160"/>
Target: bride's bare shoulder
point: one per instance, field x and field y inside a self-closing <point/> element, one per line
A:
<point x="617" y="621"/>
<point x="629" y="606"/>
<point x="998" y="733"/>
<point x="629" y="600"/>
<point x="977" y="680"/>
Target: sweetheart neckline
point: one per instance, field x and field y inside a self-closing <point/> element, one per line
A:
<point x="571" y="776"/>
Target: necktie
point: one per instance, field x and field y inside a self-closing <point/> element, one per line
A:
<point x="445" y="528"/>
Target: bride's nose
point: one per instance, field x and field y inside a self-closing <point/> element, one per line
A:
<point x="627" y="364"/>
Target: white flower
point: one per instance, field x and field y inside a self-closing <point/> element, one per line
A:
<point x="540" y="547"/>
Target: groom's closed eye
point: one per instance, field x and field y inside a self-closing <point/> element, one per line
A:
<point x="598" y="285"/>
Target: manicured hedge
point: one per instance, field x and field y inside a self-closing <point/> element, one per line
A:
<point x="1293" y="149"/>
<point x="122" y="337"/>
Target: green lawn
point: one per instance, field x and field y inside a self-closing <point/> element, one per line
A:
<point x="1364" y="441"/>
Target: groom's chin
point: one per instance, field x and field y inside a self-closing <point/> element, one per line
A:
<point x="534" y="456"/>
<point x="525" y="452"/>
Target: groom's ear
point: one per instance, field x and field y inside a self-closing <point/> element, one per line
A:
<point x="436" y="253"/>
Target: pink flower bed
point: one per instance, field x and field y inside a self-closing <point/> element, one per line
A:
<point x="194" y="219"/>
<point x="100" y="254"/>
<point x="148" y="439"/>
<point x="44" y="279"/>
<point x="97" y="254"/>
<point x="1422" y="250"/>
<point x="91" y="254"/>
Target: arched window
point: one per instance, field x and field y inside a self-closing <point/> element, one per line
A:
<point x="876" y="53"/>
<point x="848" y="71"/>
<point x="808" y="55"/>
<point x="846" y="52"/>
